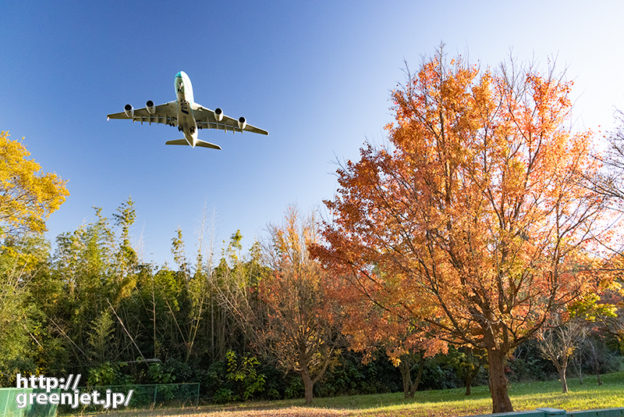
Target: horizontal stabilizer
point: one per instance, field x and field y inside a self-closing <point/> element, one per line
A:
<point x="198" y="143"/>
<point x="177" y="142"/>
<point x="207" y="145"/>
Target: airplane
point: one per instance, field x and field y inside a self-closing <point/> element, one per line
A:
<point x="187" y="115"/>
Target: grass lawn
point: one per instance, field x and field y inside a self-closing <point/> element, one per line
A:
<point x="452" y="402"/>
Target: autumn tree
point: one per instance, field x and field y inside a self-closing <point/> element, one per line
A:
<point x="558" y="341"/>
<point x="27" y="195"/>
<point x="369" y="326"/>
<point x="476" y="211"/>
<point x="301" y="328"/>
<point x="285" y="310"/>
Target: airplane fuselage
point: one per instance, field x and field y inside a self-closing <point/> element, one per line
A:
<point x="186" y="119"/>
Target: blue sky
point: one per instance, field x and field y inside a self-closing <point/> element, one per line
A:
<point x="316" y="74"/>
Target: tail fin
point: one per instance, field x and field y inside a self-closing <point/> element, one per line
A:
<point x="200" y="143"/>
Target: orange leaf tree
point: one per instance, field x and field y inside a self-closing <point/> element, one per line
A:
<point x="299" y="326"/>
<point x="371" y="322"/>
<point x="476" y="212"/>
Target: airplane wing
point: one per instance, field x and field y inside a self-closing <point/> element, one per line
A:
<point x="163" y="113"/>
<point x="206" y="119"/>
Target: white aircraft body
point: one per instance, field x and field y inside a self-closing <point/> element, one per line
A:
<point x="187" y="115"/>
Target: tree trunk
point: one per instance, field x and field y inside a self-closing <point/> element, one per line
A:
<point x="468" y="383"/>
<point x="308" y="384"/>
<point x="404" y="367"/>
<point x="498" y="382"/>
<point x="410" y="387"/>
<point x="564" y="381"/>
<point x="596" y="366"/>
<point x="414" y="384"/>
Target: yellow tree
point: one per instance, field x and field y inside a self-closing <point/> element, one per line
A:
<point x="478" y="212"/>
<point x="27" y="195"/>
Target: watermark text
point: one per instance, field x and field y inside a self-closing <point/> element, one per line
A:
<point x="69" y="393"/>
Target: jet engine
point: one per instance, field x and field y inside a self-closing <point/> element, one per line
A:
<point x="242" y="123"/>
<point x="218" y="114"/>
<point x="149" y="105"/>
<point x="129" y="110"/>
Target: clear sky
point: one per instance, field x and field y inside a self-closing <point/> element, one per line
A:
<point x="316" y="74"/>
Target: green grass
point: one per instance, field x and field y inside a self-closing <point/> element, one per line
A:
<point x="451" y="402"/>
<point x="524" y="396"/>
